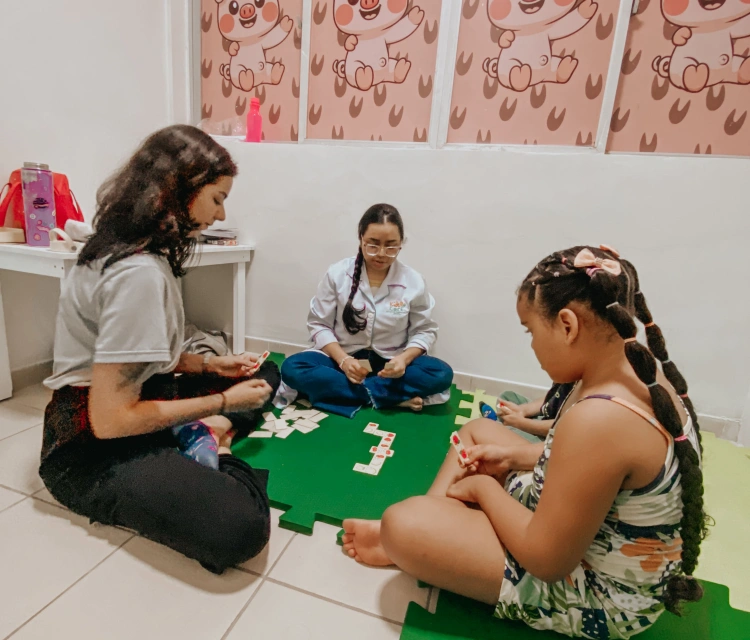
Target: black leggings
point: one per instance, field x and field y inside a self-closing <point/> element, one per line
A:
<point x="220" y="518"/>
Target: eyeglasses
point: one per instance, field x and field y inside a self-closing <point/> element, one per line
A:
<point x="374" y="250"/>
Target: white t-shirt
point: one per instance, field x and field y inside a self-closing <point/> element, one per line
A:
<point x="130" y="313"/>
<point x="398" y="313"/>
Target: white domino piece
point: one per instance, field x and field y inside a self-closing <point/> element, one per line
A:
<point x="268" y="416"/>
<point x="280" y="424"/>
<point x="285" y="433"/>
<point x="304" y="402"/>
<point x="309" y="424"/>
<point x="269" y="426"/>
<point x="364" y="468"/>
<point x="301" y="428"/>
<point x="287" y="410"/>
<point x="261" y="434"/>
<point x="259" y="363"/>
<point x="459" y="448"/>
<point x="318" y="416"/>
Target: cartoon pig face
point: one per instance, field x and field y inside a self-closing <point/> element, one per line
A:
<point x="358" y="17"/>
<point x="246" y="18"/>
<point x="517" y="14"/>
<point x="694" y="13"/>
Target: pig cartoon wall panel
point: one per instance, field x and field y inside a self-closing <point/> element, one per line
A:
<point x="372" y="69"/>
<point x="531" y="71"/>
<point x="251" y="48"/>
<point x="685" y="80"/>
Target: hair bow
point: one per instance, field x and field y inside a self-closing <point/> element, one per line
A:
<point x="587" y="259"/>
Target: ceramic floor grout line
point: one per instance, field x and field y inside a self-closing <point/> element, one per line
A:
<point x="21" y="498"/>
<point x="64" y="591"/>
<point x="39" y="424"/>
<point x="332" y="601"/>
<point x="243" y="609"/>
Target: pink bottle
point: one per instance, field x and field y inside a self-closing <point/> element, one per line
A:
<point x="254" y="122"/>
<point x="38" y="203"/>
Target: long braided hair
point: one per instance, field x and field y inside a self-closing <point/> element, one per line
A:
<point x="354" y="319"/>
<point x="556" y="282"/>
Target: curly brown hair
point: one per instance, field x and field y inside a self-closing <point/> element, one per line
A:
<point x="556" y="282"/>
<point x="144" y="207"/>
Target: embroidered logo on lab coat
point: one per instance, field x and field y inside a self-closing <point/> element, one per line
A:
<point x="398" y="308"/>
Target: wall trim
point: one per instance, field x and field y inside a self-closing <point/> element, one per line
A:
<point x="726" y="428"/>
<point x="31" y="375"/>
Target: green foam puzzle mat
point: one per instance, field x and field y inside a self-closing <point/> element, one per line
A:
<point x="458" y="618"/>
<point x="312" y="474"/>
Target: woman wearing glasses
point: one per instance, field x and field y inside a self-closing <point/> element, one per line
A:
<point x="371" y="326"/>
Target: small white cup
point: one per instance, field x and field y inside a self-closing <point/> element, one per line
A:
<point x="63" y="244"/>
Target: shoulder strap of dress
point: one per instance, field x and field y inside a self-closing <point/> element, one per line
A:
<point x="637" y="410"/>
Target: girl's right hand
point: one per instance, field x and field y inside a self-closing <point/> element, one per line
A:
<point x="490" y="459"/>
<point x="250" y="394"/>
<point x="354" y="371"/>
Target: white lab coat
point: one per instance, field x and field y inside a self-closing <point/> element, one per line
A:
<point x="399" y="314"/>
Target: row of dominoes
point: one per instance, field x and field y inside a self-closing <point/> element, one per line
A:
<point x="379" y="453"/>
<point x="303" y="421"/>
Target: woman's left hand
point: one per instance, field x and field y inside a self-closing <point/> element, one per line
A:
<point x="395" y="368"/>
<point x="232" y="366"/>
<point x="469" y="488"/>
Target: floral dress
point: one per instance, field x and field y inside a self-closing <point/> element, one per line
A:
<point x="616" y="591"/>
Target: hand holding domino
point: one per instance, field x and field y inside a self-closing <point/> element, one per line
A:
<point x="458" y="446"/>
<point x="259" y="362"/>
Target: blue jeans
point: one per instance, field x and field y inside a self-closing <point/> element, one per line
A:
<point x="315" y="375"/>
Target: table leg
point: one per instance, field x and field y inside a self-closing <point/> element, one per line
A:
<point x="6" y="383"/>
<point x="238" y="307"/>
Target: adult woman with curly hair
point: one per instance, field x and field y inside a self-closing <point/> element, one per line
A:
<point x="110" y="451"/>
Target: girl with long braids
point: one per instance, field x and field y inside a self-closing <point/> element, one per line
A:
<point x="371" y="325"/>
<point x="596" y="531"/>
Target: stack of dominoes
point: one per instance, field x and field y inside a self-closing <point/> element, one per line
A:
<point x="302" y="420"/>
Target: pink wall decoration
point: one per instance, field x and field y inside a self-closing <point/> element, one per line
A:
<point x="251" y="48"/>
<point x="531" y="71"/>
<point x="372" y="69"/>
<point x="685" y="80"/>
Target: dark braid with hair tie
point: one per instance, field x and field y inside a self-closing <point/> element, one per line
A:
<point x="614" y="299"/>
<point x="658" y="346"/>
<point x="376" y="214"/>
<point x="353" y="320"/>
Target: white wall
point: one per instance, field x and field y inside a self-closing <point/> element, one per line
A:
<point x="478" y="221"/>
<point x="83" y="82"/>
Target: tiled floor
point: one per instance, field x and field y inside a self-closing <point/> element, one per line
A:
<point x="63" y="578"/>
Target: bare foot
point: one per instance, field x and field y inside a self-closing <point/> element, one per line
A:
<point x="415" y="404"/>
<point x="362" y="542"/>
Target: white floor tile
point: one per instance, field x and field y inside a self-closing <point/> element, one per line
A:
<point x="45" y="496"/>
<point x="16" y="417"/>
<point x="9" y="498"/>
<point x="145" y="591"/>
<point x="317" y="564"/>
<point x="263" y="562"/>
<point x="19" y="461"/>
<point x="37" y="396"/>
<point x="286" y="614"/>
<point x="44" y="550"/>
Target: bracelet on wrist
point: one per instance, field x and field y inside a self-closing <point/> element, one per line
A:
<point x="223" y="407"/>
<point x="341" y="364"/>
